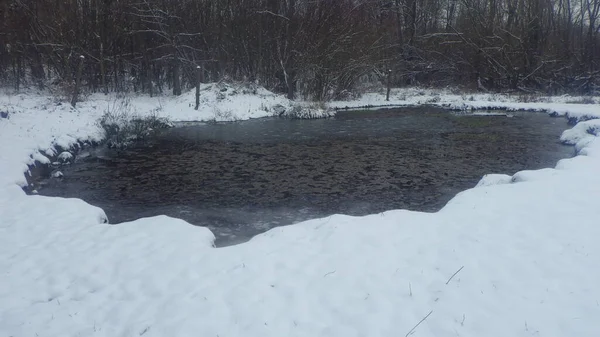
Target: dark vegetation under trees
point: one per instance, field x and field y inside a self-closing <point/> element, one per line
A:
<point x="312" y="49"/>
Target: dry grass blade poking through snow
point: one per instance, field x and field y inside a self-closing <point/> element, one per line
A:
<point x="451" y="277"/>
<point x="416" y="326"/>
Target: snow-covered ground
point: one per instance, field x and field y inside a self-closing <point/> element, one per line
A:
<point x="574" y="107"/>
<point x="515" y="256"/>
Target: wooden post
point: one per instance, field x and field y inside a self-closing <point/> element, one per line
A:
<point x="198" y="75"/>
<point x="389" y="85"/>
<point x="77" y="81"/>
<point x="202" y="73"/>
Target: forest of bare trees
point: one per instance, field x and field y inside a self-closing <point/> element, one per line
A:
<point x="315" y="49"/>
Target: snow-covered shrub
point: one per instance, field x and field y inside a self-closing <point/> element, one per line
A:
<point x="65" y="157"/>
<point x="123" y="127"/>
<point x="532" y="98"/>
<point x="223" y="114"/>
<point x="231" y="88"/>
<point x="348" y="95"/>
<point x="435" y="99"/>
<point x="278" y="110"/>
<point x="455" y="90"/>
<point x="6" y="110"/>
<point x="582" y="100"/>
<point x="580" y="131"/>
<point x="308" y="111"/>
<point x="594" y="130"/>
<point x="249" y="88"/>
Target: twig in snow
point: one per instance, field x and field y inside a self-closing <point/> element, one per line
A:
<point x="145" y="330"/>
<point x="421" y="321"/>
<point x="410" y="289"/>
<point x="463" y="321"/>
<point x="331" y="272"/>
<point x="451" y="277"/>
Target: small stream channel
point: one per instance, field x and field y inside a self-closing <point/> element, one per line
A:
<point x="243" y="178"/>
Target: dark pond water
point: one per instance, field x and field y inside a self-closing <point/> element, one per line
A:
<point x="240" y="179"/>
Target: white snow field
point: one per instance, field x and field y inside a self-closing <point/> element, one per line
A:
<point x="515" y="256"/>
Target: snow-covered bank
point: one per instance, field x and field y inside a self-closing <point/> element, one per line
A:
<point x="574" y="108"/>
<point x="38" y="124"/>
<point x="516" y="256"/>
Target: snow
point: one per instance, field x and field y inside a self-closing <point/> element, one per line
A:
<point x="494" y="179"/>
<point x="516" y="256"/>
<point x="555" y="105"/>
<point x="39" y="123"/>
<point x="65" y="156"/>
<point x="223" y="102"/>
<point x="583" y="131"/>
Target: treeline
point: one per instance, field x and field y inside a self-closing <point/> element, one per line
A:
<point x="316" y="49"/>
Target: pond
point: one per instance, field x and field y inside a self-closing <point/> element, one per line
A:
<point x="243" y="178"/>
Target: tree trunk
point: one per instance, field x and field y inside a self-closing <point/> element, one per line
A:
<point x="103" y="70"/>
<point x="77" y="81"/>
<point x="176" y="77"/>
<point x="149" y="78"/>
<point x="17" y="68"/>
<point x="37" y="68"/>
<point x="411" y="21"/>
<point x="399" y="36"/>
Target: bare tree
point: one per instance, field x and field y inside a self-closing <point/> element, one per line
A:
<point x="314" y="49"/>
